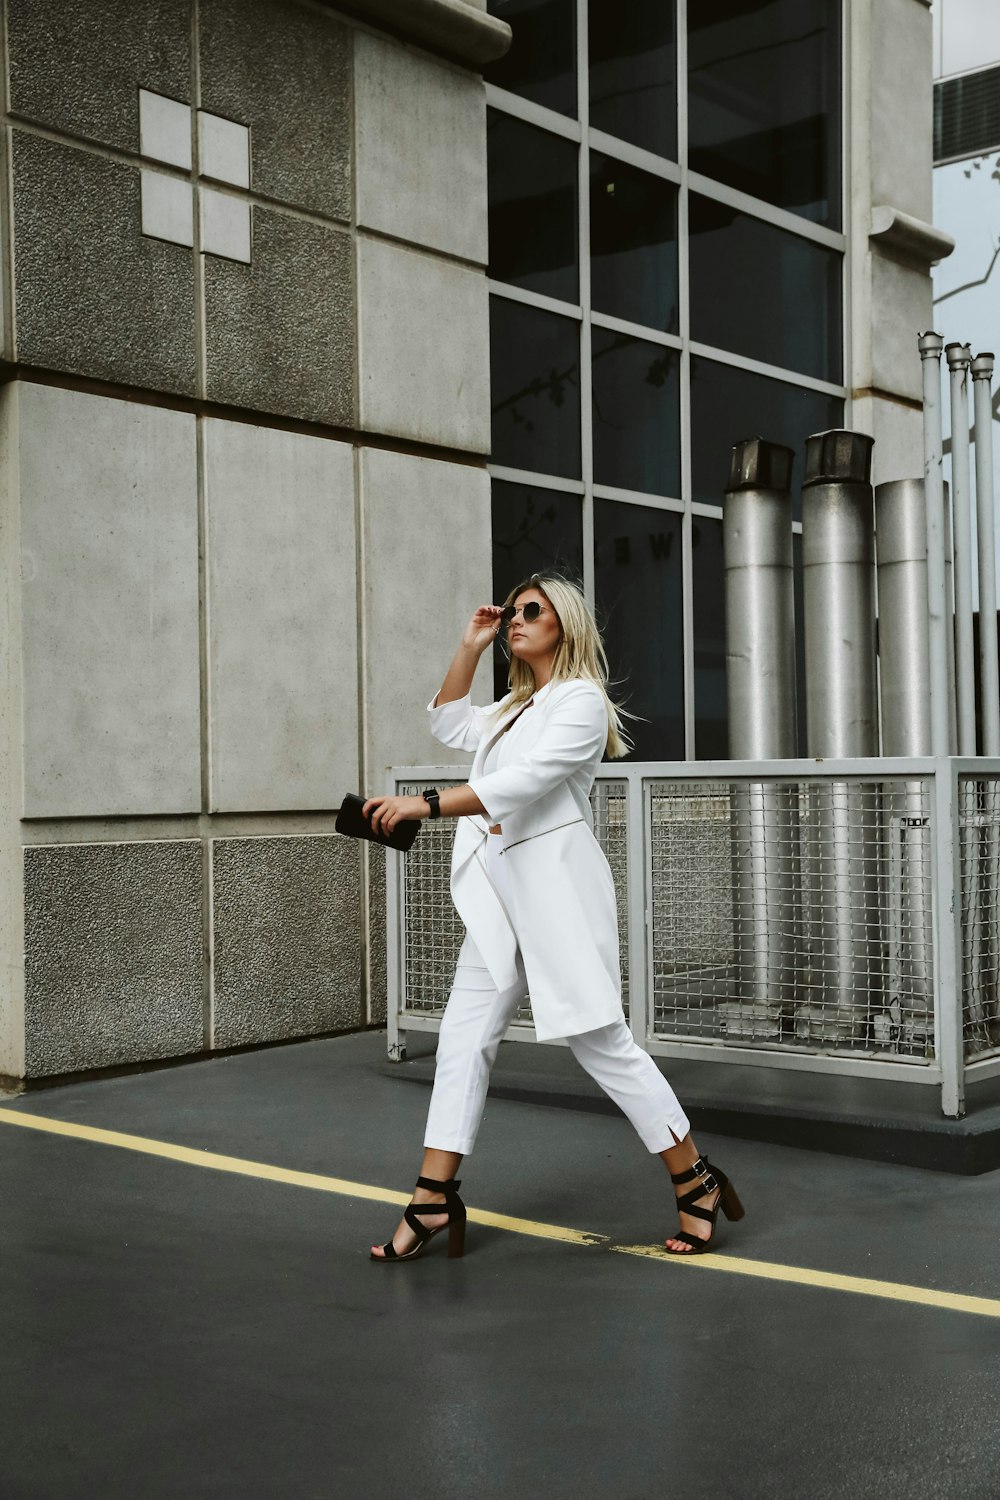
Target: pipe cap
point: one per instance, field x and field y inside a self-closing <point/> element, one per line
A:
<point x="838" y="457"/>
<point x="757" y="464"/>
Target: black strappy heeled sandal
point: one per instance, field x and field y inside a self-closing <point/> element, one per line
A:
<point x="709" y="1179"/>
<point x="452" y="1206"/>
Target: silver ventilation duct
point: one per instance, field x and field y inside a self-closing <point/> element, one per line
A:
<point x="760" y="685"/>
<point x="840" y="844"/>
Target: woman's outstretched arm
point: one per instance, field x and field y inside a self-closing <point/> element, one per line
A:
<point x="386" y="812"/>
<point x="476" y="638"/>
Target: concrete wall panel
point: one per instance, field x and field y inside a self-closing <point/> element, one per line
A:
<point x="287" y="914"/>
<point x="420" y="378"/>
<point x="77" y="65"/>
<point x="109" y="557"/>
<point x="427" y="566"/>
<point x="284" y="70"/>
<point x="421" y="155"/>
<point x="94" y="296"/>
<point x="283" y="680"/>
<point x="113" y="954"/>
<point x="280" y="332"/>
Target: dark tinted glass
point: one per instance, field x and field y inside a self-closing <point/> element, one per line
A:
<point x="636" y="421"/>
<point x="535" y="375"/>
<point x="533" y="234"/>
<point x="633" y="244"/>
<point x="709" y="602"/>
<point x="728" y="405"/>
<point x="637" y="559"/>
<point x="534" y="531"/>
<point x="764" y="100"/>
<point x="764" y="292"/>
<point x="541" y="63"/>
<point x="633" y="72"/>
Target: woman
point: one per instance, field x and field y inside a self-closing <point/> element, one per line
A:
<point x="535" y="892"/>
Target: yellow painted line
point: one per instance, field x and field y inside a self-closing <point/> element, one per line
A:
<point x="987" y="1307"/>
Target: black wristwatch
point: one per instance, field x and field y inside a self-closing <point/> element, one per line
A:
<point x="433" y="799"/>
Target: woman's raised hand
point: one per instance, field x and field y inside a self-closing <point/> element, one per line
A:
<point x="482" y="628"/>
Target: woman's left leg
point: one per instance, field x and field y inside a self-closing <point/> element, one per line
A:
<point x="629" y="1076"/>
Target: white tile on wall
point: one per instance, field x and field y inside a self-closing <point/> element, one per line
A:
<point x="421" y="153"/>
<point x="223" y="149"/>
<point x="109" y="563"/>
<point x="420" y="377"/>
<point x="283" y="726"/>
<point x="427" y="547"/>
<point x="225" y="225"/>
<point x="165" y="129"/>
<point x="167" y="208"/>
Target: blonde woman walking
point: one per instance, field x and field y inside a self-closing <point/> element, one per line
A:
<point x="535" y="892"/>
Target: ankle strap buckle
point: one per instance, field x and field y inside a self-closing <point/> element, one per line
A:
<point x="704" y="1171"/>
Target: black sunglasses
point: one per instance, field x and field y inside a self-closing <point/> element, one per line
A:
<point x="528" y="612"/>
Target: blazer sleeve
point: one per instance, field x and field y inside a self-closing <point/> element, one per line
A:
<point x="458" y="724"/>
<point x="575" y="734"/>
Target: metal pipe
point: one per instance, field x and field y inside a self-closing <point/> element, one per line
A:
<point x="930" y="346"/>
<point x="989" y="657"/>
<point x="843" y="932"/>
<point x="904" y="675"/>
<point x="760" y="685"/>
<point x="838" y="553"/>
<point x="948" y="531"/>
<point x="760" y="607"/>
<point x="904" y="647"/>
<point x="959" y="357"/>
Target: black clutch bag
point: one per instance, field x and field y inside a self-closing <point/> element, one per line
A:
<point x="352" y="821"/>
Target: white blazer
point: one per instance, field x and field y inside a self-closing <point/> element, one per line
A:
<point x="564" y="918"/>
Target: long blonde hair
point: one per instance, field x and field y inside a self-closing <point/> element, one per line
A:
<point x="580" y="653"/>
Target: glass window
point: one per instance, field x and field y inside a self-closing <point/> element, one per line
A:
<point x="541" y="62"/>
<point x="533" y="226"/>
<point x="637" y="557"/>
<point x="763" y="292"/>
<point x="636" y="414"/>
<point x="633" y="72"/>
<point x="633" y="244"/>
<point x="728" y="405"/>
<point x="711" y="726"/>
<point x="535" y="376"/>
<point x="764" y="100"/>
<point x="534" y="531"/>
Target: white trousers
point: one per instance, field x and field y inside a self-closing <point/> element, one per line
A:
<point x="473" y="1026"/>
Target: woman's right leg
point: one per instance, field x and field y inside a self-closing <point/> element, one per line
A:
<point x="473" y="1026"/>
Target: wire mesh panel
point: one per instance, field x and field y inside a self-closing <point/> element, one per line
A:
<point x="793" y="914"/>
<point x="979" y="845"/>
<point x="609" y="802"/>
<point x="433" y="932"/>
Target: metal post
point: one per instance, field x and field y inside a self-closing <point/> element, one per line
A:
<point x="959" y="357"/>
<point x="760" y="685"/>
<point x="904" y="650"/>
<point x="948" y="941"/>
<point x="839" y="594"/>
<point x="989" y="658"/>
<point x="904" y="676"/>
<point x="949" y="616"/>
<point x="989" y="664"/>
<point x="930" y="345"/>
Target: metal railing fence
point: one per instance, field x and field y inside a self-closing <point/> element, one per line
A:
<point x="831" y="916"/>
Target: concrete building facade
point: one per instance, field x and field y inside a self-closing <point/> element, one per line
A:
<point x="246" y="439"/>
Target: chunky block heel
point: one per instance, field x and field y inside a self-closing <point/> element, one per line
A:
<point x="452" y="1206"/>
<point x="710" y="1180"/>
